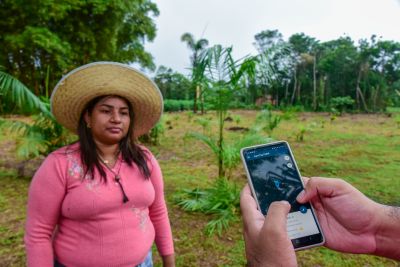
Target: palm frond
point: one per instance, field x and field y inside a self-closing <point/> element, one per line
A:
<point x="231" y="152"/>
<point x="31" y="145"/>
<point x="221" y="201"/>
<point x="17" y="127"/>
<point x="15" y="91"/>
<point x="221" y="222"/>
<point x="207" y="140"/>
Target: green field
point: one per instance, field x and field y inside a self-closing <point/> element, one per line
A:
<point x="363" y="149"/>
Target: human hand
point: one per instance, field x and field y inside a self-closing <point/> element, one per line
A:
<point x="266" y="239"/>
<point x="168" y="261"/>
<point x="348" y="218"/>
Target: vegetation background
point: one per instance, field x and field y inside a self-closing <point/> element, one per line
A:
<point x="336" y="102"/>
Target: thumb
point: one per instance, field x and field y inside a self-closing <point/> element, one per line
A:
<point x="276" y="216"/>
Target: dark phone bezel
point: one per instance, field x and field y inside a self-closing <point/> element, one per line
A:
<point x="298" y="243"/>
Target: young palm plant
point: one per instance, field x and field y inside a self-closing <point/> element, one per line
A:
<point x="268" y="121"/>
<point x="224" y="79"/>
<point x="224" y="76"/>
<point x="221" y="200"/>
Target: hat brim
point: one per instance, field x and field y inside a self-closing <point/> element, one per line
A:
<point x="78" y="87"/>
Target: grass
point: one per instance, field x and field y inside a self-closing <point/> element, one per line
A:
<point x="363" y="149"/>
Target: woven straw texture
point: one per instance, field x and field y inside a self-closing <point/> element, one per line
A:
<point x="78" y="87"/>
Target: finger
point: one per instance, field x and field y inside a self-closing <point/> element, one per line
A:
<point x="327" y="187"/>
<point x="305" y="179"/>
<point x="250" y="213"/>
<point x="277" y="216"/>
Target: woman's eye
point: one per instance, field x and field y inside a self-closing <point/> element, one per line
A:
<point x="124" y="112"/>
<point x="105" y="111"/>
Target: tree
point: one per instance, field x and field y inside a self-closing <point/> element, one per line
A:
<point x="197" y="67"/>
<point x="338" y="66"/>
<point x="35" y="36"/>
<point x="385" y="66"/>
<point x="306" y="48"/>
<point x="173" y="85"/>
<point x="275" y="62"/>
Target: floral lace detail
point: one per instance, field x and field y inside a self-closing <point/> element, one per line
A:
<point x="75" y="170"/>
<point x="142" y="216"/>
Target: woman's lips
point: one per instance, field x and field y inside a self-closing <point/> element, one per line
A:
<point x="114" y="130"/>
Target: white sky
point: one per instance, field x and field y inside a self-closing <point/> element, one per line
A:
<point x="235" y="22"/>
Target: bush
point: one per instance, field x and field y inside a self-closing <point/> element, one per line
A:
<point x="341" y="104"/>
<point x="155" y="134"/>
<point x="292" y="109"/>
<point x="171" y="105"/>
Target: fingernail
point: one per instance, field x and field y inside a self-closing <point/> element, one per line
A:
<point x="300" y="196"/>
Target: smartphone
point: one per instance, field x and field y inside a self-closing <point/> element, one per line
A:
<point x="273" y="176"/>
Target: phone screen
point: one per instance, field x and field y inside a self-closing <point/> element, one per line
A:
<point x="274" y="176"/>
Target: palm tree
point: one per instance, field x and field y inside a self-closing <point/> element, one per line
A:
<point x="198" y="47"/>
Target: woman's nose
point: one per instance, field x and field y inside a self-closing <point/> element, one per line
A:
<point x="115" y="117"/>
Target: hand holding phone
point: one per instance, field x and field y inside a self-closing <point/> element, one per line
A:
<point x="273" y="176"/>
<point x="266" y="240"/>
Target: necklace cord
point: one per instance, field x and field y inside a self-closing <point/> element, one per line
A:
<point x="124" y="198"/>
<point x="117" y="179"/>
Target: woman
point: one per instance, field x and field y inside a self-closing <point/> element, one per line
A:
<point x="100" y="201"/>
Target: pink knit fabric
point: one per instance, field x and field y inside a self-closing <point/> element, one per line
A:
<point x="94" y="226"/>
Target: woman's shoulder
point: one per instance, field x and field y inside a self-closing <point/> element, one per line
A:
<point x="147" y="152"/>
<point x="68" y="150"/>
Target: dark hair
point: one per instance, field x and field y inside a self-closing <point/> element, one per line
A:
<point x="131" y="152"/>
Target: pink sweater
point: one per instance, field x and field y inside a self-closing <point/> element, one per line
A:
<point x="94" y="226"/>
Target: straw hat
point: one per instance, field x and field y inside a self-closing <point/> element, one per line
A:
<point x="81" y="85"/>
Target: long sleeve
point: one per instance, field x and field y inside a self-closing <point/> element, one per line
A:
<point x="46" y="193"/>
<point x="158" y="212"/>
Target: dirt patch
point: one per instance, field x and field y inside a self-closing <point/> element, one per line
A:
<point x="238" y="129"/>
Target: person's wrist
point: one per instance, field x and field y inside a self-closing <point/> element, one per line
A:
<point x="387" y="236"/>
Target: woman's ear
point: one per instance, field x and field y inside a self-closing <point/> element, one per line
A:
<point x="86" y="117"/>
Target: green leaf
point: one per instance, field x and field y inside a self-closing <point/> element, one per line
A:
<point x="14" y="91"/>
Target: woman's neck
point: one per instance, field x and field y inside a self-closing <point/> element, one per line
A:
<point x="107" y="152"/>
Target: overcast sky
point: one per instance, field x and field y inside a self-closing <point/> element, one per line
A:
<point x="235" y="22"/>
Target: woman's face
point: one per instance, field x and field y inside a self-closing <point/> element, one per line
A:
<point x="109" y="120"/>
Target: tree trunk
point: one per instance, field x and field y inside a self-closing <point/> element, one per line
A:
<point x="358" y="90"/>
<point x="298" y="94"/>
<point x="221" y="170"/>
<point x="286" y="93"/>
<point x="294" y="87"/>
<point x="195" y="99"/>
<point x="375" y="97"/>
<point x="201" y="101"/>
<point x="315" y="83"/>
<point x="326" y="90"/>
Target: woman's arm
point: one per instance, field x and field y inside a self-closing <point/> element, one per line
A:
<point x="168" y="261"/>
<point x="159" y="216"/>
<point x="46" y="193"/>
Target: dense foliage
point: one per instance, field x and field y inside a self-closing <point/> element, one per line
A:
<point x="303" y="71"/>
<point x="51" y="37"/>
